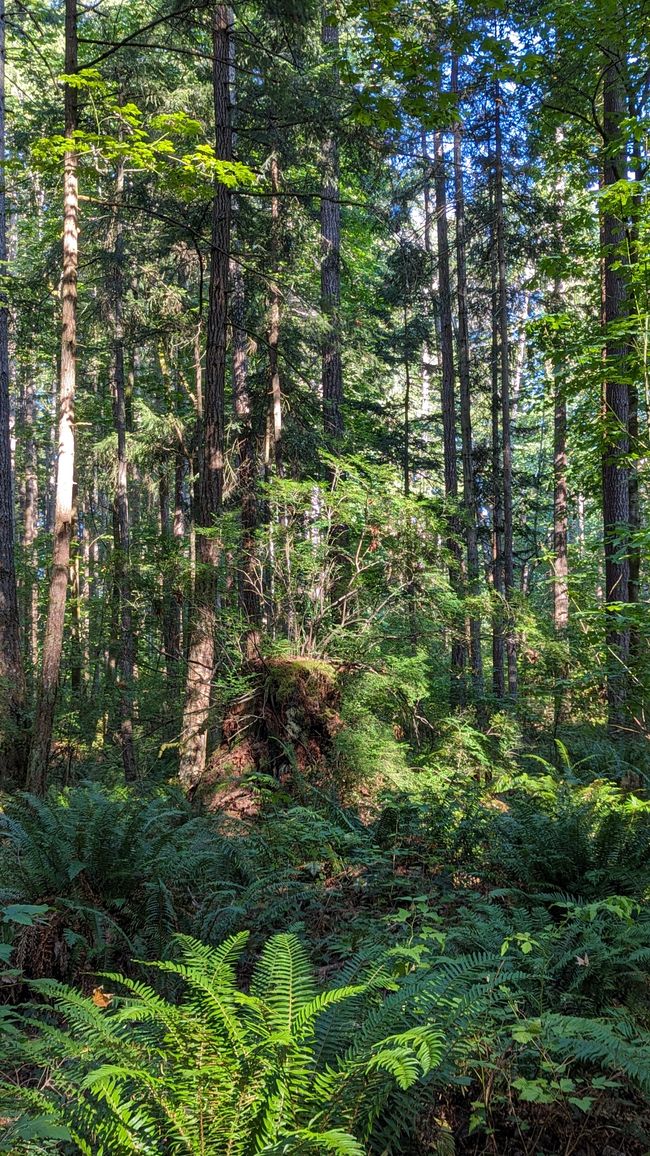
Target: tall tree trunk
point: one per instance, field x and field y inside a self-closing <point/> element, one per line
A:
<point x="414" y="634"/>
<point x="331" y="354"/>
<point x="504" y="351"/>
<point x="12" y="687"/>
<point x="406" y="465"/>
<point x="469" y="488"/>
<point x="201" y="656"/>
<point x="53" y="446"/>
<point x="30" y="524"/>
<point x="616" y="407"/>
<point x="330" y="234"/>
<point x="249" y="584"/>
<point x="498" y="649"/>
<point x="428" y="353"/>
<point x="241" y="399"/>
<point x="75" y="652"/>
<point x="560" y="510"/>
<point x="94" y="582"/>
<point x="560" y="517"/>
<point x="168" y="624"/>
<point x="521" y="350"/>
<point x="172" y="533"/>
<point x="126" y="659"/>
<point x="457" y="689"/>
<point x="560" y="462"/>
<point x="173" y="536"/>
<point x="637" y="710"/>
<point x="63" y="513"/>
<point x="274" y="317"/>
<point x="178" y="532"/>
<point x="249" y="571"/>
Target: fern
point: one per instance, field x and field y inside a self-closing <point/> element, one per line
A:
<point x="615" y="1045"/>
<point x="226" y="1071"/>
<point x="122" y="874"/>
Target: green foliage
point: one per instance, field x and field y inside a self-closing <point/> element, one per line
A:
<point x="471" y="886"/>
<point x="153" y="148"/>
<point x="283" y="1067"/>
<point x="484" y="943"/>
<point x="95" y="877"/>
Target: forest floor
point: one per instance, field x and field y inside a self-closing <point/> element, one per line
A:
<point x="521" y="880"/>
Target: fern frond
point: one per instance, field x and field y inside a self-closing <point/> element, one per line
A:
<point x="283" y="979"/>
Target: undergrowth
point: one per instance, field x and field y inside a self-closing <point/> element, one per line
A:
<point x="478" y="920"/>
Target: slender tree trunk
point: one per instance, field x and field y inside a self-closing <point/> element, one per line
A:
<point x="241" y="399"/>
<point x="126" y="658"/>
<point x="12" y="687"/>
<point x="560" y="517"/>
<point x="172" y="532"/>
<point x="414" y="634"/>
<point x="96" y="620"/>
<point x="249" y="591"/>
<point x="30" y="525"/>
<point x="331" y="355"/>
<point x="407" y="415"/>
<point x="63" y="513"/>
<point x="330" y="233"/>
<point x="249" y="571"/>
<point x="469" y="488"/>
<point x="201" y="656"/>
<point x="268" y="584"/>
<point x="637" y="705"/>
<point x="520" y="356"/>
<point x="637" y="709"/>
<point x="560" y="462"/>
<point x="560" y="511"/>
<point x="580" y="519"/>
<point x="616" y="408"/>
<point x="635" y="509"/>
<point x="428" y="358"/>
<point x="274" y="318"/>
<point x="170" y="642"/>
<point x="504" y="350"/>
<point x="171" y="607"/>
<point x="178" y="533"/>
<point x="498" y="649"/>
<point x="457" y="689"/>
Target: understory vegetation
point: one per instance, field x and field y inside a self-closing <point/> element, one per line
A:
<point x="450" y="954"/>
